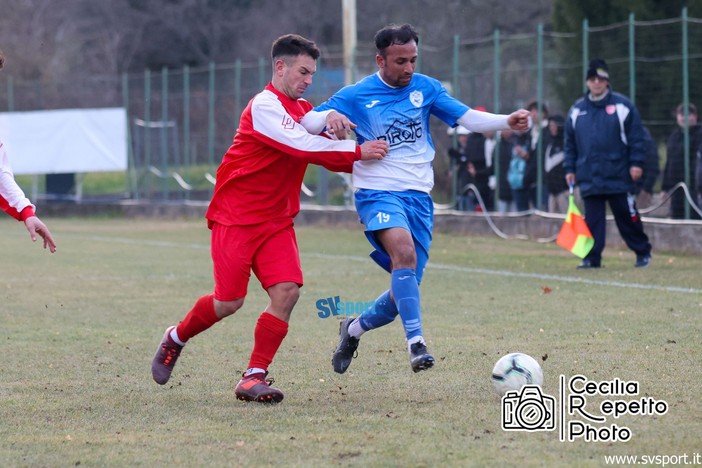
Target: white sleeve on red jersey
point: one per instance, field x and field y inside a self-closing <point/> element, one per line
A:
<point x="315" y="121"/>
<point x="12" y="198"/>
<point x="282" y="131"/>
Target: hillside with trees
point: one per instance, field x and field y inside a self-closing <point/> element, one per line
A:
<point x="54" y="39"/>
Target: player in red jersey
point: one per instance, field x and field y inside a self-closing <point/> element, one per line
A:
<point x="251" y="213"/>
<point x="15" y="203"/>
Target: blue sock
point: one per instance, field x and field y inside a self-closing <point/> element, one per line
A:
<point x="382" y="312"/>
<point x="405" y="290"/>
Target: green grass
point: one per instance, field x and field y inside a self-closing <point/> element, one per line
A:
<point x="79" y="329"/>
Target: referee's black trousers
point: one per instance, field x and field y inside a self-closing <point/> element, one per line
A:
<point x="628" y="220"/>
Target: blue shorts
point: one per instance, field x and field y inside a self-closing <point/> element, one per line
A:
<point x="411" y="210"/>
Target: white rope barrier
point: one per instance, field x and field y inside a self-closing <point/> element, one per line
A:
<point x="503" y="235"/>
<point x="178" y="178"/>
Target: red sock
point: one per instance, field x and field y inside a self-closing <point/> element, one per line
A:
<point x="268" y="335"/>
<point x="201" y="317"/>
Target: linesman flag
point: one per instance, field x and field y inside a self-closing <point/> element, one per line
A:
<point x="575" y="236"/>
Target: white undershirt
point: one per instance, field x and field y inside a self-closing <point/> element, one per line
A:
<point x="477" y="121"/>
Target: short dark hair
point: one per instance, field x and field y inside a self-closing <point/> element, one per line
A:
<point x="691" y="109"/>
<point x="292" y="45"/>
<point x="395" y="34"/>
<point x="557" y="119"/>
<point x="533" y="105"/>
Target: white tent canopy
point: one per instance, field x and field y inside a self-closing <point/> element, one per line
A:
<point x="65" y="141"/>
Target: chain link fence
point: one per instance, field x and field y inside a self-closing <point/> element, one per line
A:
<point x="183" y="120"/>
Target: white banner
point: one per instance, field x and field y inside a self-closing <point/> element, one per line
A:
<point x="65" y="141"/>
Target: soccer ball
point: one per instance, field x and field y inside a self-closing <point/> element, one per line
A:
<point x="513" y="371"/>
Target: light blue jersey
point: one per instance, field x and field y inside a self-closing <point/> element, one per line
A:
<point x="399" y="116"/>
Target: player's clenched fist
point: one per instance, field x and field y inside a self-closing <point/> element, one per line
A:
<point x="519" y="120"/>
<point x="374" y="149"/>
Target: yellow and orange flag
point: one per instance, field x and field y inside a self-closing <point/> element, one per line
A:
<point x="575" y="236"/>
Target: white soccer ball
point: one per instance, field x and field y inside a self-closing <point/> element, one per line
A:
<point x="513" y="371"/>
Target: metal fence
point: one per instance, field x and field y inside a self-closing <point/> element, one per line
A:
<point x="183" y="120"/>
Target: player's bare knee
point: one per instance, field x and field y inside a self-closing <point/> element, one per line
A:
<point x="226" y="308"/>
<point x="288" y="293"/>
<point x="404" y="256"/>
<point x="283" y="296"/>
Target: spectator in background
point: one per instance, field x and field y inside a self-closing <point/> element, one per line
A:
<point x="15" y="203"/>
<point x="490" y="144"/>
<point x="651" y="171"/>
<point x="605" y="153"/>
<point x="553" y="166"/>
<point x="503" y="156"/>
<point x="537" y="133"/>
<point x="478" y="165"/>
<point x="674" y="170"/>
<point x="459" y="161"/>
<point x="518" y="175"/>
<point x="540" y="130"/>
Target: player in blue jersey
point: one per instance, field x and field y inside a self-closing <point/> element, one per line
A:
<point x="392" y="196"/>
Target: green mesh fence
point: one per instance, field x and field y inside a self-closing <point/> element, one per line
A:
<point x="183" y="120"/>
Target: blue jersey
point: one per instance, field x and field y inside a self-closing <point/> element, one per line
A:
<point x="399" y="116"/>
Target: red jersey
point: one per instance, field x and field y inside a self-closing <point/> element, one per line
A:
<point x="261" y="174"/>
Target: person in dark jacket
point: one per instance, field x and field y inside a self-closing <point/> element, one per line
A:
<point x="674" y="170"/>
<point x="553" y="166"/>
<point x="605" y="155"/>
<point x="518" y="174"/>
<point x="502" y="157"/>
<point x="651" y="171"/>
<point x="538" y="132"/>
<point x="478" y="167"/>
<point x="465" y="198"/>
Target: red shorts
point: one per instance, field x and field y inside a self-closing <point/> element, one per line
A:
<point x="269" y="249"/>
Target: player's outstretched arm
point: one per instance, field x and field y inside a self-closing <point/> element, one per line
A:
<point x="478" y="121"/>
<point x="35" y="226"/>
<point x="374" y="149"/>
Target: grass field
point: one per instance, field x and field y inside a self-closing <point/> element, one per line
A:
<point x="79" y="329"/>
